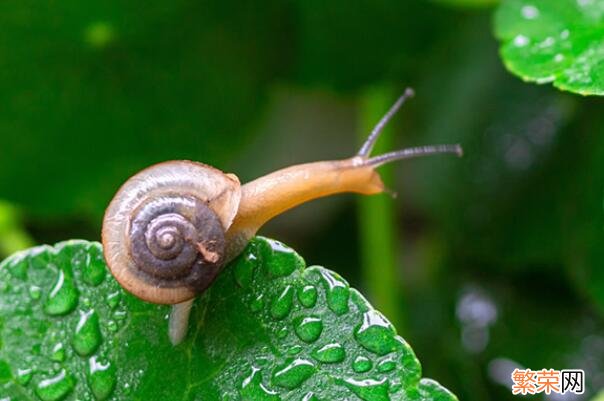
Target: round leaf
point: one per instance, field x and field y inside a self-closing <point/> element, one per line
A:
<point x="554" y="41"/>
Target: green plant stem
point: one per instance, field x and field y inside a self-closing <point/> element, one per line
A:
<point x="377" y="217"/>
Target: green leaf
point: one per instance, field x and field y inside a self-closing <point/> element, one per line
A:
<point x="554" y="41"/>
<point x="268" y="329"/>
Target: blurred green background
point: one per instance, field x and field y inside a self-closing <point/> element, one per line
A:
<point x="485" y="263"/>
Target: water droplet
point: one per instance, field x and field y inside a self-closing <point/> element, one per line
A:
<point x="112" y="326"/>
<point x="101" y="378"/>
<point x="369" y="389"/>
<point x="283" y="260"/>
<point x="92" y="265"/>
<point x="120" y="315"/>
<point x="386" y="365"/>
<point x="361" y="364"/>
<point x="307" y="296"/>
<point x="56" y="388"/>
<point x="521" y="41"/>
<point x="263" y="360"/>
<point x="530" y="12"/>
<point x="308" y="328"/>
<point x="310" y="396"/>
<point x="376" y="334"/>
<point x="24" y="376"/>
<point x="282" y="333"/>
<point x="330" y="353"/>
<point x="58" y="353"/>
<point x="252" y="388"/>
<point x="282" y="305"/>
<point x="244" y="269"/>
<point x="293" y="374"/>
<point x="64" y="296"/>
<point x="35" y="292"/>
<point x="87" y="337"/>
<point x="18" y="266"/>
<point x="395" y="386"/>
<point x="5" y="372"/>
<point x="338" y="292"/>
<point x="294" y="350"/>
<point x="257" y="303"/>
<point x="113" y="299"/>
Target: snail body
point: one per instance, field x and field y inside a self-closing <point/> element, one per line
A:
<point x="171" y="228"/>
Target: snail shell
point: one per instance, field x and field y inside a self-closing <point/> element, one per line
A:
<point x="164" y="231"/>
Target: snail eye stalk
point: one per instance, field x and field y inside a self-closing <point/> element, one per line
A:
<point x="401" y="154"/>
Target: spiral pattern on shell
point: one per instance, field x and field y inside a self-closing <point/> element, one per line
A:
<point x="164" y="231"/>
<point x="172" y="236"/>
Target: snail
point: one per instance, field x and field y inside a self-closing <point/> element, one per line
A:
<point x="171" y="228"/>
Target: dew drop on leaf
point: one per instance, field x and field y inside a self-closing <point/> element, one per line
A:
<point x="18" y="268"/>
<point x="93" y="269"/>
<point x="330" y="353"/>
<point x="282" y="332"/>
<point x="120" y="315"/>
<point x="308" y="328"/>
<point x="56" y="388"/>
<point x="101" y="378"/>
<point x="58" y="353"/>
<point x="35" y="292"/>
<point x="293" y="374"/>
<point x="361" y="364"/>
<point x="386" y="365"/>
<point x="283" y="260"/>
<point x="282" y="305"/>
<point x="375" y="333"/>
<point x="244" y="270"/>
<point x="307" y="296"/>
<point x="310" y="396"/>
<point x="24" y="376"/>
<point x="252" y="388"/>
<point x="112" y="326"/>
<point x="369" y="389"/>
<point x="113" y="299"/>
<point x="294" y="350"/>
<point x="257" y="303"/>
<point x="338" y="292"/>
<point x="63" y="297"/>
<point x="87" y="336"/>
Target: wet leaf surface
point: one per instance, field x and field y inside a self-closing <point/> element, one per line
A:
<point x="554" y="41"/>
<point x="269" y="329"/>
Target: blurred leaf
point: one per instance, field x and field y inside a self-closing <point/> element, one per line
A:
<point x="554" y="41"/>
<point x="94" y="91"/>
<point x="268" y="329"/>
<point x="13" y="236"/>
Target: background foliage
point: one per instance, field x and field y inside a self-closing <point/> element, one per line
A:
<point x="496" y="258"/>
